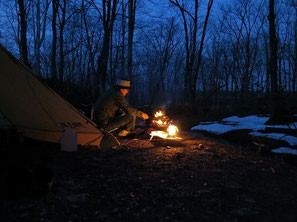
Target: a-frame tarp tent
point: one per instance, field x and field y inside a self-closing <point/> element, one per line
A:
<point x="35" y="110"/>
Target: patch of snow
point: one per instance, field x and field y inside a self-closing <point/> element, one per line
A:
<point x="254" y="123"/>
<point x="292" y="140"/>
<point x="289" y="126"/>
<point x="217" y="128"/>
<point x="285" y="150"/>
<point x="247" y="120"/>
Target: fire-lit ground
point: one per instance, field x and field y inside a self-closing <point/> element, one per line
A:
<point x="161" y="180"/>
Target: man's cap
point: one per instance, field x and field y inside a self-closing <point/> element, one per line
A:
<point x="123" y="84"/>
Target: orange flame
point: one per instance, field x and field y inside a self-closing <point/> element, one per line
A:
<point x="160" y="122"/>
<point x="159" y="114"/>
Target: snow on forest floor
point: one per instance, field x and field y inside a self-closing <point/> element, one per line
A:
<point x="283" y="135"/>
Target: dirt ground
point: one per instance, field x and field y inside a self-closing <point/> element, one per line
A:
<point x="157" y="180"/>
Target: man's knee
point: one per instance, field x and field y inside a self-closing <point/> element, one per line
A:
<point x="131" y="121"/>
<point x="130" y="118"/>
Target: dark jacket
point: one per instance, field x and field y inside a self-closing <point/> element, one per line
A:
<point x="110" y="104"/>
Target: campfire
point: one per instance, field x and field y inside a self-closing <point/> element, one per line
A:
<point x="160" y="121"/>
<point x="165" y="127"/>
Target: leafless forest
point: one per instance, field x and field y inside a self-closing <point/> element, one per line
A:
<point x="201" y="53"/>
<point x="201" y="59"/>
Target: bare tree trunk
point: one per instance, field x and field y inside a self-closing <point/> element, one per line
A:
<point x="190" y="30"/>
<point x="62" y="24"/>
<point x="37" y="38"/>
<point x="108" y="18"/>
<point x="279" y="113"/>
<point x="103" y="60"/>
<point x="273" y="49"/>
<point x="39" y="29"/>
<point x="295" y="54"/>
<point x="123" y="58"/>
<point x="131" y="27"/>
<point x="193" y="54"/>
<point x="266" y="48"/>
<point x="111" y="68"/>
<point x="23" y="35"/>
<point x="167" y="54"/>
<point x="201" y="46"/>
<point x="92" y="69"/>
<point x="55" y="6"/>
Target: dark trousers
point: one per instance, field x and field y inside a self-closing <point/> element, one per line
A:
<point x="126" y="122"/>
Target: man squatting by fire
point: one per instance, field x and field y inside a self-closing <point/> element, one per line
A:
<point x="113" y="111"/>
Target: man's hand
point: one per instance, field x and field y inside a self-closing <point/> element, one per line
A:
<point x="145" y="116"/>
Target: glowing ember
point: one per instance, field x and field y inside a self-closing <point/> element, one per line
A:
<point x="160" y="122"/>
<point x="172" y="130"/>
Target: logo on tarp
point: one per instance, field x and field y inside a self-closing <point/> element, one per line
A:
<point x="71" y="125"/>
